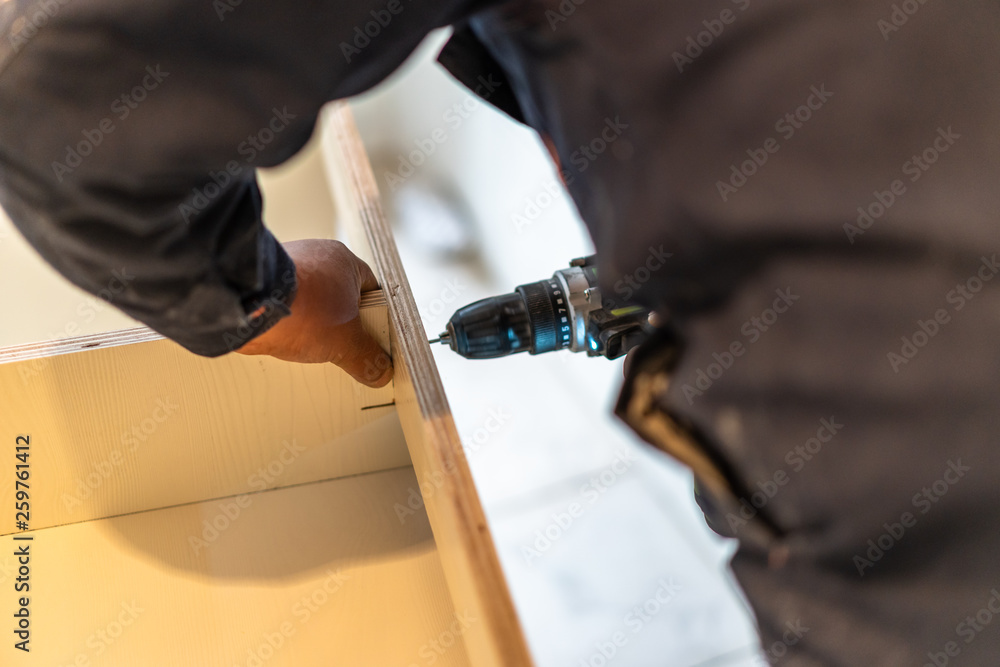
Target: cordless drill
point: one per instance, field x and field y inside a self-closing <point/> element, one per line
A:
<point x="562" y="312"/>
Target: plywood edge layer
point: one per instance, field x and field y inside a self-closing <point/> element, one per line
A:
<point x="468" y="554"/>
<point x="77" y="344"/>
<point x="115" y="338"/>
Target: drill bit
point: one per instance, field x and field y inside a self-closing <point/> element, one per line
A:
<point x="445" y="338"/>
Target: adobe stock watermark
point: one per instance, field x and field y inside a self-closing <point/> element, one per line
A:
<point x="898" y="17"/>
<point x="277" y="300"/>
<point x="630" y="283"/>
<point x="432" y="651"/>
<point x="451" y="120"/>
<point x="957" y="298"/>
<point x="121" y="108"/>
<point x="587" y="154"/>
<point x="248" y="149"/>
<point x="635" y="621"/>
<point x="793" y="634"/>
<point x="26" y="27"/>
<point x="223" y="7"/>
<point x="786" y="126"/>
<point x="370" y="30"/>
<point x="496" y="420"/>
<point x="590" y="492"/>
<point x="796" y="458"/>
<point x="304" y="609"/>
<point x="131" y="440"/>
<point x="426" y="488"/>
<point x="924" y="501"/>
<point x="752" y="330"/>
<point x="914" y="168"/>
<point x="231" y="509"/>
<point x="87" y="310"/>
<point x="609" y="137"/>
<point x="536" y="204"/>
<point x="7" y="569"/>
<point x="444" y="303"/>
<point x="561" y="13"/>
<point x="374" y="369"/>
<point x="105" y="637"/>
<point x="967" y="630"/>
<point x="714" y="27"/>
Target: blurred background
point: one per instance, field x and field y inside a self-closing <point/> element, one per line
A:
<point x="608" y="558"/>
<point x="478" y="210"/>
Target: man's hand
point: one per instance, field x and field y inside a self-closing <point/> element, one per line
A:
<point x="324" y="325"/>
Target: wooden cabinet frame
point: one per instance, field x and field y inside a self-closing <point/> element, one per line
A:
<point x="351" y="507"/>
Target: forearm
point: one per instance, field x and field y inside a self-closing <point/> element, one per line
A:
<point x="207" y="288"/>
<point x="129" y="136"/>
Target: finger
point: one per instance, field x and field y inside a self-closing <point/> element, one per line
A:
<point x="366" y="277"/>
<point x="627" y="364"/>
<point x="361" y="356"/>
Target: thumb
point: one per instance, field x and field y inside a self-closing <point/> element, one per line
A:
<point x="366" y="277"/>
<point x="360" y="355"/>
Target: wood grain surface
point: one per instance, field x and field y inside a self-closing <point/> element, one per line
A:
<point x="135" y="426"/>
<point x="318" y="575"/>
<point x="456" y="516"/>
<point x="250" y="512"/>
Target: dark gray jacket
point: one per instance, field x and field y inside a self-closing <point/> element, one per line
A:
<point x="822" y="176"/>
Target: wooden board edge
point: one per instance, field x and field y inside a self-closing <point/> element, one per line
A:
<point x="115" y="338"/>
<point x="472" y="567"/>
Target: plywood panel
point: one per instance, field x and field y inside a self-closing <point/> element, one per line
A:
<point x="466" y="547"/>
<point x="146" y="425"/>
<point x="315" y="575"/>
<point x="121" y="427"/>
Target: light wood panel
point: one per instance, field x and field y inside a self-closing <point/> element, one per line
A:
<point x="310" y="576"/>
<point x="468" y="554"/>
<point x="122" y="427"/>
<point x="297" y="202"/>
<point x="123" y="423"/>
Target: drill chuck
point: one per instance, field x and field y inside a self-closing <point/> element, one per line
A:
<point x="564" y="311"/>
<point x="490" y="328"/>
<point x="525" y="320"/>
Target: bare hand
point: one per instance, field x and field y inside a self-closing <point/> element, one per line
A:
<point x="324" y="325"/>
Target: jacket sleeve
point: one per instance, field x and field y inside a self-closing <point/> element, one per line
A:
<point x="130" y="132"/>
